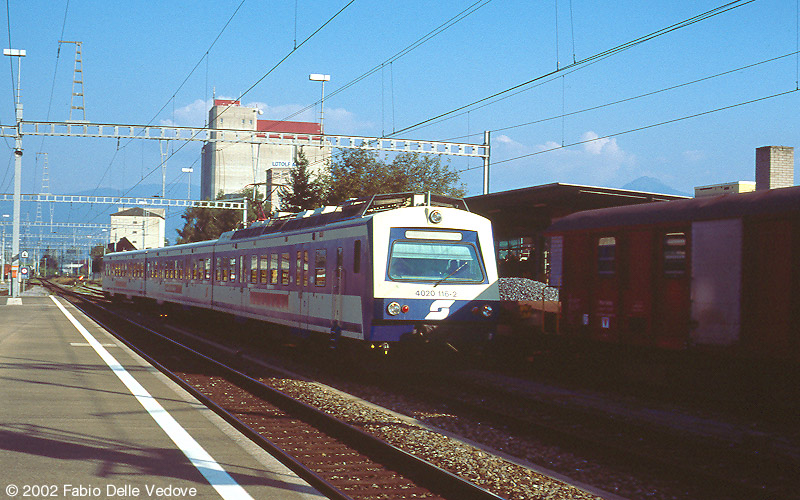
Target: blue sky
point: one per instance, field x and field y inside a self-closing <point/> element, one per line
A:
<point x="136" y="56"/>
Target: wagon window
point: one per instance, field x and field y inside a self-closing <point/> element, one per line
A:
<point x="285" y="268"/>
<point x="273" y="268"/>
<point x="264" y="269"/>
<point x="606" y="248"/>
<point x="357" y="257"/>
<point x="298" y="275"/>
<point x="320" y="264"/>
<point x="305" y="267"/>
<point x="254" y="269"/>
<point x="675" y="254"/>
<point x="232" y="267"/>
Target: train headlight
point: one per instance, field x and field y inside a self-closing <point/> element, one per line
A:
<point x="393" y="308"/>
<point x="485" y="310"/>
<point x="435" y="217"/>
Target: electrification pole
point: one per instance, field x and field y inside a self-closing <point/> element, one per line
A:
<point x="15" y="274"/>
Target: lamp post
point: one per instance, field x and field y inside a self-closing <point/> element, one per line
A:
<point x="15" y="280"/>
<point x="316" y="77"/>
<point x="3" y="252"/>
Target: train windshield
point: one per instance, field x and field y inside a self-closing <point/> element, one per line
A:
<point x="438" y="261"/>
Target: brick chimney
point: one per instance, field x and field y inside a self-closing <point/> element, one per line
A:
<point x="774" y="167"/>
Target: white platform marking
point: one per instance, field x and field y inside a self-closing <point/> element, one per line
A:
<point x="225" y="485"/>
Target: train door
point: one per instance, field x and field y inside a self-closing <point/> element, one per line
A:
<point x="576" y="288"/>
<point x="301" y="280"/>
<point x="604" y="319"/>
<point x="338" y="282"/>
<point x="716" y="266"/>
<point x="671" y="283"/>
<point x="636" y="295"/>
<point x="768" y="298"/>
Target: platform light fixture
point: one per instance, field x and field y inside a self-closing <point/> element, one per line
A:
<point x="318" y="77"/>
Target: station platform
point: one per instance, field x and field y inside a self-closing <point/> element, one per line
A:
<point x="83" y="416"/>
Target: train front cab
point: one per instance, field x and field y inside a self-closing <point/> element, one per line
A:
<point x="628" y="285"/>
<point x="432" y="279"/>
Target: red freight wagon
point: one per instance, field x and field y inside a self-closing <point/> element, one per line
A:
<point x="720" y="272"/>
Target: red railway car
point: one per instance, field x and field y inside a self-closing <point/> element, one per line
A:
<point x="721" y="272"/>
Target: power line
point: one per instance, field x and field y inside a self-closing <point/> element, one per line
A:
<point x="420" y="41"/>
<point x="175" y="151"/>
<point x="639" y="129"/>
<point x="615" y="50"/>
<point x="640" y="96"/>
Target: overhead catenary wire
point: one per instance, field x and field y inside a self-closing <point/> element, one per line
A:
<point x="583" y="63"/>
<point x="614" y="50"/>
<point x="175" y="151"/>
<point x="639" y="129"/>
<point x="409" y="48"/>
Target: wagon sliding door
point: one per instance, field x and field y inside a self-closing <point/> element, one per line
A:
<point x="716" y="281"/>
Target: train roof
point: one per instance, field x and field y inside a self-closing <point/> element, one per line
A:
<point x="726" y="206"/>
<point x="350" y="209"/>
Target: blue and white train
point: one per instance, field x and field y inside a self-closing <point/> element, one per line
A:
<point x="378" y="270"/>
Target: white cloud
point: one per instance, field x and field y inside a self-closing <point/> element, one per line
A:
<point x="694" y="156"/>
<point x="598" y="161"/>
<point x="193" y="114"/>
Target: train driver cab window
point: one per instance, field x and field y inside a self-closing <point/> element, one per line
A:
<point x="606" y="248"/>
<point x="675" y="254"/>
<point x="437" y="261"/>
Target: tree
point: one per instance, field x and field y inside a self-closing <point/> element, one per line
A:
<point x="360" y="173"/>
<point x="204" y="224"/>
<point x="305" y="191"/>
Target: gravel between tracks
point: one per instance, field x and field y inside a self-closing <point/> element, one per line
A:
<point x="488" y="470"/>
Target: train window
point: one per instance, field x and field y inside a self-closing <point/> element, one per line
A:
<point x="675" y="254"/>
<point x="305" y="267"/>
<point x="273" y="268"/>
<point x="264" y="269"/>
<point x="339" y="265"/>
<point x="320" y="264"/>
<point x="254" y="269"/>
<point x="298" y="275"/>
<point x="233" y="265"/>
<point x="285" y="268"/>
<point x="208" y="269"/>
<point x="434" y="261"/>
<point x="357" y="256"/>
<point x="606" y="248"/>
<point x="218" y="270"/>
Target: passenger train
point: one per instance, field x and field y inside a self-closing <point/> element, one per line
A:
<point x="715" y="274"/>
<point x="378" y="270"/>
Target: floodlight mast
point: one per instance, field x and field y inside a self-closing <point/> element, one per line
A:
<point x="15" y="280"/>
<point x="316" y="77"/>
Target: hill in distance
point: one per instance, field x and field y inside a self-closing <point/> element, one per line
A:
<point x="653" y="185"/>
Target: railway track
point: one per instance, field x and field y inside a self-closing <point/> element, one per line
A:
<point x="714" y="468"/>
<point x="340" y="460"/>
<point x="713" y="464"/>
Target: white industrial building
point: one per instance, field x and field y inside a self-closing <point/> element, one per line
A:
<point x="230" y="167"/>
<point x="142" y="228"/>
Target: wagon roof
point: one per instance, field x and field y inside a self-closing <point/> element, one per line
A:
<point x="718" y="207"/>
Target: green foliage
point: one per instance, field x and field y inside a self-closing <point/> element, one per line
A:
<point x="359" y="173"/>
<point x="304" y="191"/>
<point x="204" y="224"/>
